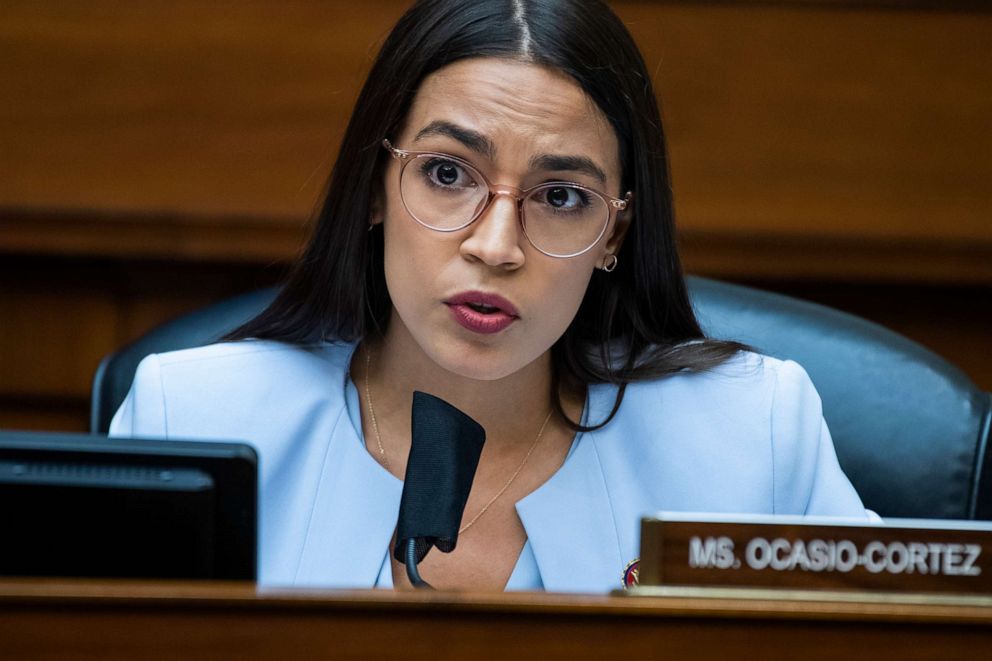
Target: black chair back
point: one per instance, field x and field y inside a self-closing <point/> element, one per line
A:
<point x="911" y="430"/>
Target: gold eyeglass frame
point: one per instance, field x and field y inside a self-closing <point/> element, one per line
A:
<point x="614" y="205"/>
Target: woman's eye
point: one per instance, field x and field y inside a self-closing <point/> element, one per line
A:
<point x="566" y="197"/>
<point x="447" y="173"/>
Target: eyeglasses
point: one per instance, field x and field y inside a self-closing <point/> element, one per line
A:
<point x="446" y="194"/>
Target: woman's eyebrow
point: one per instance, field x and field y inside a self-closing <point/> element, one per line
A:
<point x="558" y="162"/>
<point x="479" y="143"/>
<point x="471" y="139"/>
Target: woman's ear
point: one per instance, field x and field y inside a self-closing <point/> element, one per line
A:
<point x="620" y="227"/>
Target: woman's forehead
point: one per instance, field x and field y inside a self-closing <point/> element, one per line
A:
<point x="518" y="107"/>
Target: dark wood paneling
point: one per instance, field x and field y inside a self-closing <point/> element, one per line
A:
<point x="152" y="235"/>
<point x="855" y="127"/>
<point x="178" y="105"/>
<point x="822" y="123"/>
<point x="60" y="316"/>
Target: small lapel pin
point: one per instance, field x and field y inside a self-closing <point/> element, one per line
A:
<point x="630" y="573"/>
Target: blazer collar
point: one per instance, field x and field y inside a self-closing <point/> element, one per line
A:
<point x="570" y="520"/>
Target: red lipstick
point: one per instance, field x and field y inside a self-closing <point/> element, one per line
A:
<point x="482" y="313"/>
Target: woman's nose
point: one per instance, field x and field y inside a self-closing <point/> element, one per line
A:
<point x="495" y="237"/>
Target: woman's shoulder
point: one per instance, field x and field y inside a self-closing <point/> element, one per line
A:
<point x="748" y="381"/>
<point x="208" y="387"/>
<point x="746" y="436"/>
<point x="244" y="368"/>
<point x="251" y="353"/>
<point x="750" y="403"/>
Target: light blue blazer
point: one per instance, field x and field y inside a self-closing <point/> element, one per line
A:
<point x="748" y="437"/>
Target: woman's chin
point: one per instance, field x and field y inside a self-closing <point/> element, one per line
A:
<point x="478" y="363"/>
<point x="477" y="368"/>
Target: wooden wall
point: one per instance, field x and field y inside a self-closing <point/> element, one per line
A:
<point x="156" y="155"/>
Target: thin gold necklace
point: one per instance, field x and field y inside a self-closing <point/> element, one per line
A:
<point x="385" y="461"/>
<point x="368" y="398"/>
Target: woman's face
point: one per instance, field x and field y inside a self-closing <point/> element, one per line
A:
<point x="482" y="302"/>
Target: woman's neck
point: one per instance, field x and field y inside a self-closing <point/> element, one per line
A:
<point x="511" y="408"/>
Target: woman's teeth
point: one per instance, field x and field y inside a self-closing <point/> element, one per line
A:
<point x="483" y="309"/>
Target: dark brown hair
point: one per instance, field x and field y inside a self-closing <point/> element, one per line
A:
<point x="634" y="323"/>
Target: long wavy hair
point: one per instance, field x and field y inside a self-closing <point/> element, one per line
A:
<point x="634" y="323"/>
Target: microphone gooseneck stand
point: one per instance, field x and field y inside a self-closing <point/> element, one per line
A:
<point x="412" y="571"/>
<point x="444" y="453"/>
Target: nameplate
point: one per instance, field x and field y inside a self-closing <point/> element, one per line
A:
<point x="900" y="555"/>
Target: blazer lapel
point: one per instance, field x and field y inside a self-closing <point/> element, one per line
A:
<point x="354" y="512"/>
<point x="570" y="521"/>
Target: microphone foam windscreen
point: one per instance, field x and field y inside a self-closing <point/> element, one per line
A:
<point x="444" y="453"/>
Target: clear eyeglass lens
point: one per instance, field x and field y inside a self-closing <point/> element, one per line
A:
<point x="564" y="220"/>
<point x="442" y="193"/>
<point x="559" y="219"/>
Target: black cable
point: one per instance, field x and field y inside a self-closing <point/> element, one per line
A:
<point x="411" y="566"/>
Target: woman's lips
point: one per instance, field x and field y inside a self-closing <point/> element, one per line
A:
<point x="482" y="313"/>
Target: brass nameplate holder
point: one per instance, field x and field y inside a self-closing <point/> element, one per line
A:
<point x="816" y="553"/>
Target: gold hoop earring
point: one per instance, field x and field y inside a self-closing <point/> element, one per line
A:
<point x="610" y="266"/>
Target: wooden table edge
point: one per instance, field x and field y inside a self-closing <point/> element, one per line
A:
<point x="703" y="603"/>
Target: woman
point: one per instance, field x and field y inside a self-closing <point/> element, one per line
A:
<point x="497" y="232"/>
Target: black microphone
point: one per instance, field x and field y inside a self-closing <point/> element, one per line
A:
<point x="444" y="453"/>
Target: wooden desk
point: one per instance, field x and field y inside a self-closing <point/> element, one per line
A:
<point x="105" y="620"/>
